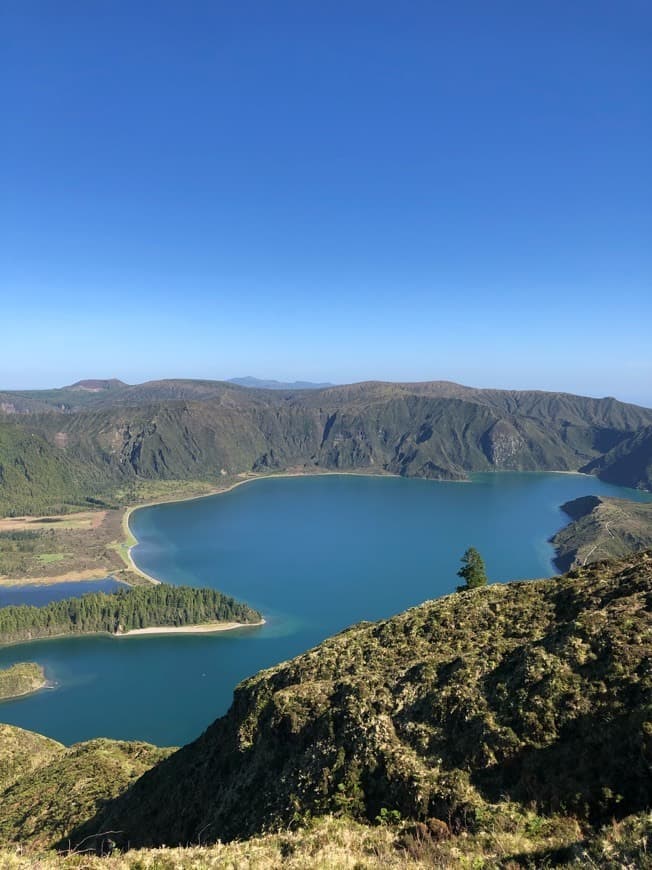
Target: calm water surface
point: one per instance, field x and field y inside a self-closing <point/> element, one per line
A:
<point x="315" y="554"/>
<point x="38" y="595"/>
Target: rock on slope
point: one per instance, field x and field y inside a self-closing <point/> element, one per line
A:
<point x="535" y="692"/>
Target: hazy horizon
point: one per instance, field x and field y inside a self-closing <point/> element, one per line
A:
<point x="291" y="380"/>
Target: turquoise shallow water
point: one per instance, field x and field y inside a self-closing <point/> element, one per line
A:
<point x="315" y="554"/>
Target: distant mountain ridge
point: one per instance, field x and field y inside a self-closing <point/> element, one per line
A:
<point x="97" y="385"/>
<point x="65" y="446"/>
<point x="258" y="383"/>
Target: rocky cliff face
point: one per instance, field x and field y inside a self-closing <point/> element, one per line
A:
<point x="503" y="443"/>
<point x="537" y="693"/>
<point x="628" y="463"/>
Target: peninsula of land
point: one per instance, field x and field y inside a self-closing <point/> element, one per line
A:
<point x="141" y="610"/>
<point x="602" y="527"/>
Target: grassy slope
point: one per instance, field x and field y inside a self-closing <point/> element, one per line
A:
<point x="511" y="842"/>
<point x="602" y="528"/>
<point x="70" y="785"/>
<point x="514" y="693"/>
<point x="21" y="679"/>
<point x="199" y="430"/>
<point x="22" y="752"/>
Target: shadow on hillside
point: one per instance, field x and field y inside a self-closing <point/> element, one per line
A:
<point x="596" y="769"/>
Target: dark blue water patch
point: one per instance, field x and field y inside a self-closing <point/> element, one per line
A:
<point x="40" y="594"/>
<point x="315" y="555"/>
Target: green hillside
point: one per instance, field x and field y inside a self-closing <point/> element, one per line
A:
<point x="629" y="463"/>
<point x="67" y="785"/>
<point x="21" y="752"/>
<point x="507" y="727"/>
<point x="86" y="447"/>
<point x="460" y="710"/>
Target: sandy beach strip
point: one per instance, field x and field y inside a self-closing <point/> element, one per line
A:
<point x="207" y="628"/>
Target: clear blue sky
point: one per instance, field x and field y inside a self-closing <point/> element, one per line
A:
<point x="333" y="191"/>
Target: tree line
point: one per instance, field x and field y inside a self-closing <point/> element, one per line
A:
<point x="141" y="607"/>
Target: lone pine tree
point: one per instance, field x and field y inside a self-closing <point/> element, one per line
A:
<point x="472" y="571"/>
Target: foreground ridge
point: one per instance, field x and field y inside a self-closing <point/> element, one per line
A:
<point x="510" y="694"/>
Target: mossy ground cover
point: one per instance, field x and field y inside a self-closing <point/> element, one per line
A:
<point x="20" y="679"/>
<point x="23" y="751"/>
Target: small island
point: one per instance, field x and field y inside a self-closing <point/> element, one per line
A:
<point x="21" y="679"/>
<point x="141" y="610"/>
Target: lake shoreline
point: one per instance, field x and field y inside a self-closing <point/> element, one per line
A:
<point x="46" y="684"/>
<point x="204" y="628"/>
<point x="316" y="557"/>
<point x="132" y="541"/>
<point x="125" y="547"/>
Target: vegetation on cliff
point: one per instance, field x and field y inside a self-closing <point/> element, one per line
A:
<point x="21" y="679"/>
<point x="629" y="462"/>
<point x="142" y="607"/>
<point x="602" y="528"/>
<point x="456" y="710"/>
<point x="69" y="448"/>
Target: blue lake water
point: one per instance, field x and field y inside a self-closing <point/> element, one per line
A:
<point x="38" y="595"/>
<point x="315" y="554"/>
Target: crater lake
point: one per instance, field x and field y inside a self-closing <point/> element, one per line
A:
<point x="315" y="555"/>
